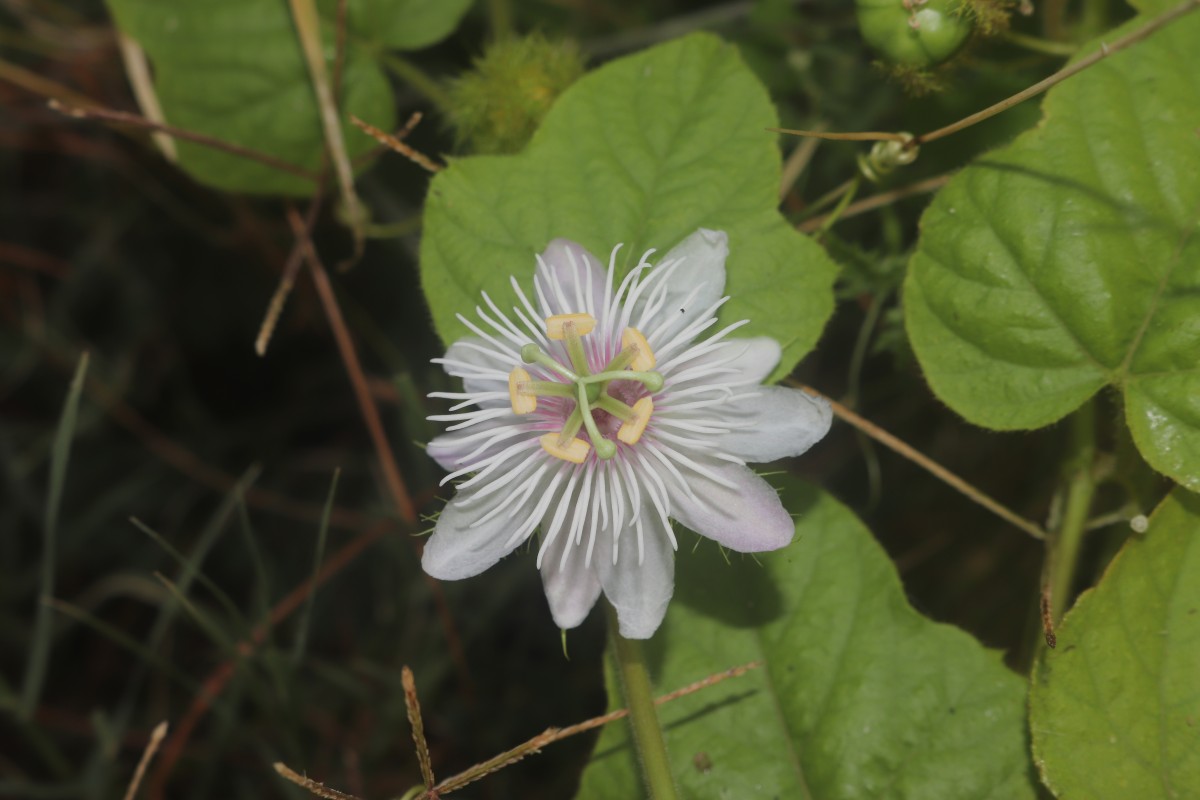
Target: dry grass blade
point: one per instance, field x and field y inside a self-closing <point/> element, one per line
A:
<point x="400" y="147"/>
<point x="319" y="789"/>
<point x="156" y="736"/>
<point x="308" y="30"/>
<point x="38" y="657"/>
<point x="413" y="704"/>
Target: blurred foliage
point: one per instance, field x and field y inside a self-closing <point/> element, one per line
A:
<point x="109" y="249"/>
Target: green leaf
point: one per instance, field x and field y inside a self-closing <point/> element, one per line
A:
<point x="859" y="696"/>
<point x="233" y="69"/>
<point x="1069" y="260"/>
<point x="642" y="151"/>
<point x="1115" y="709"/>
<point x="404" y="24"/>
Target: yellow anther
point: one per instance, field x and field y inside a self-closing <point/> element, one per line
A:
<point x="522" y="403"/>
<point x="556" y="326"/>
<point x="632" y="429"/>
<point x="575" y="451"/>
<point x="644" y="360"/>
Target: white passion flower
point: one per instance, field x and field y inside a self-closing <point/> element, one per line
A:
<point x="596" y="413"/>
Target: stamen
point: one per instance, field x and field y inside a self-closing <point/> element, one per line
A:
<point x="572" y="327"/>
<point x="615" y="407"/>
<point x="532" y="354"/>
<point x="570" y="428"/>
<point x="575" y="451"/>
<point x="632" y="429"/>
<point x="604" y="448"/>
<point x="643" y="359"/>
<point x="559" y="325"/>
<point x="522" y="401"/>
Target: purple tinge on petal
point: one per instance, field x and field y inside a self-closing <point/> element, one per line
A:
<point x="572" y="587"/>
<point x="456" y="550"/>
<point x="575" y="270"/>
<point x="640" y="592"/>
<point x="747" y="518"/>
<point x="778" y="423"/>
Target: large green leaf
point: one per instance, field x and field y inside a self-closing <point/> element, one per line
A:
<point x="859" y="696"/>
<point x="1115" y="709"/>
<point x="643" y="151"/>
<point x="233" y="69"/>
<point x="1069" y="261"/>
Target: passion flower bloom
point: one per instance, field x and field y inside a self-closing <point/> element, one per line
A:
<point x="600" y="411"/>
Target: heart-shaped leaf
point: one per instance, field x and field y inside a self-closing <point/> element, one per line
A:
<point x="1115" y="708"/>
<point x="1070" y="261"/>
<point x="858" y="695"/>
<point x="642" y="151"/>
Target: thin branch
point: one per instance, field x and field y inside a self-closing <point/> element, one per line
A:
<point x="394" y="142"/>
<point x="366" y="403"/>
<point x="846" y="136"/>
<point x="125" y="118"/>
<point x="552" y="735"/>
<point x="413" y="705"/>
<point x="796" y="163"/>
<point x="877" y="201"/>
<point x="42" y="86"/>
<point x="319" y="789"/>
<point x="926" y="463"/>
<point x="287" y="279"/>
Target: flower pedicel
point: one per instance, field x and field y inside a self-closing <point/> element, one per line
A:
<point x="597" y="415"/>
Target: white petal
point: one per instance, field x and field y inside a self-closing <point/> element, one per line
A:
<point x="571" y="588"/>
<point x="639" y="592"/>
<point x="753" y="358"/>
<point x="782" y="422"/>
<point x="748" y="518"/>
<point x="479" y="358"/>
<point x="702" y="271"/>
<point x="456" y="550"/>
<point x="577" y="273"/>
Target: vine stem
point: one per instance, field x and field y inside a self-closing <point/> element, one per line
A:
<point x="1106" y="50"/>
<point x="643" y="718"/>
<point x="1065" y="540"/>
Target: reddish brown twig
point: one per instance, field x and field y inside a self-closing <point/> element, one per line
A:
<point x="400" y="147"/>
<point x="362" y="391"/>
<point x="125" y="118"/>
<point x="370" y="414"/>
